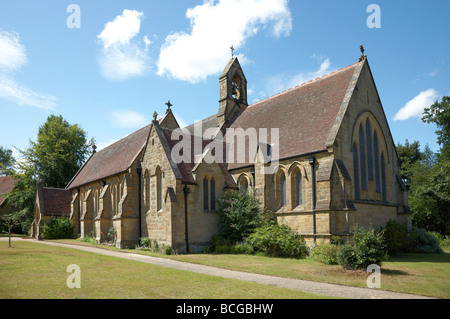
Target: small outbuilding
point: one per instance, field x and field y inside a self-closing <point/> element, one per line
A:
<point x="50" y="202"/>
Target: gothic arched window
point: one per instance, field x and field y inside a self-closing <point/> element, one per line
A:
<point x="283" y="190"/>
<point x="362" y="155"/>
<point x="159" y="189"/>
<point x="299" y="188"/>
<point x="356" y="171"/>
<point x="369" y="150"/>
<point x="149" y="192"/>
<point x="213" y="194"/>
<point x="205" y="194"/>
<point x="376" y="162"/>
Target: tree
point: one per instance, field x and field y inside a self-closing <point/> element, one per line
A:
<point x="56" y="156"/>
<point x="439" y="114"/>
<point x="10" y="222"/>
<point x="6" y="161"/>
<point x="408" y="155"/>
<point x="59" y="152"/>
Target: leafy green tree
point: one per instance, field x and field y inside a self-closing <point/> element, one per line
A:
<point x="238" y="215"/>
<point x="6" y="161"/>
<point x="59" y="152"/>
<point x="408" y="155"/>
<point x="56" y="156"/>
<point x="439" y="114"/>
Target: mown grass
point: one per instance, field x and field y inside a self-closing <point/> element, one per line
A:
<point x="31" y="270"/>
<point x="420" y="274"/>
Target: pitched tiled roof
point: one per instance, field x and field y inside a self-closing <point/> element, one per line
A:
<point x="6" y="186"/>
<point x="304" y="115"/>
<point x="185" y="167"/>
<point x="54" y="201"/>
<point x="112" y="160"/>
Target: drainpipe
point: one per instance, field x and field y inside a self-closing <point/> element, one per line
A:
<point x="312" y="161"/>
<point x="79" y="212"/>
<point x="186" y="192"/>
<point x="139" y="172"/>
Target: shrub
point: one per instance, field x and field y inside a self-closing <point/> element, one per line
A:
<point x="424" y="242"/>
<point x="396" y="237"/>
<point x="444" y="240"/>
<point x="368" y="249"/>
<point x="241" y="249"/>
<point x="57" y="228"/>
<point x="347" y="257"/>
<point x="276" y="240"/>
<point x="325" y="253"/>
<point x="146" y="242"/>
<point x="238" y="215"/>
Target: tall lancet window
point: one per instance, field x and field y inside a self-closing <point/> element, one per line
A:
<point x="205" y="194"/>
<point x="299" y="189"/>
<point x="213" y="194"/>
<point x="362" y="156"/>
<point x="283" y="190"/>
<point x="369" y="150"/>
<point x="376" y="162"/>
<point x="149" y="192"/>
<point x="356" y="171"/>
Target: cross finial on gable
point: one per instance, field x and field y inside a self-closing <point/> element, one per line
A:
<point x="362" y="57"/>
<point x="168" y="106"/>
<point x="232" y="51"/>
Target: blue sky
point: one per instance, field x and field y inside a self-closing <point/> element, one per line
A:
<point x="127" y="58"/>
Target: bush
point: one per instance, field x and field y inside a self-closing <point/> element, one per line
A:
<point x="325" y="253"/>
<point x="444" y="241"/>
<point x="146" y="242"/>
<point x="57" y="228"/>
<point x="368" y="249"/>
<point x="396" y="237"/>
<point x="241" y="249"/>
<point x="238" y="215"/>
<point x="347" y="257"/>
<point x="424" y="242"/>
<point x="276" y="240"/>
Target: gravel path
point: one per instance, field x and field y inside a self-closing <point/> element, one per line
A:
<point x="290" y="283"/>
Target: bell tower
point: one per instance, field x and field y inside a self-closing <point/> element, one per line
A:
<point x="233" y="92"/>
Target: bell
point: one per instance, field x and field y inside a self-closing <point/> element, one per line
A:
<point x="233" y="89"/>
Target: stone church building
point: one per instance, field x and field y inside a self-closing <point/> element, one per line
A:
<point x="324" y="161"/>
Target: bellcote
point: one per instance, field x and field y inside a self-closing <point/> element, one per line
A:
<point x="233" y="91"/>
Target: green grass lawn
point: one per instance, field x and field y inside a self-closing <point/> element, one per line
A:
<point x="421" y="274"/>
<point x="31" y="270"/>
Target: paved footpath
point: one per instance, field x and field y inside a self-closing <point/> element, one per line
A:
<point x="289" y="283"/>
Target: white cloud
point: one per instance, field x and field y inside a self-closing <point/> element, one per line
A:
<point x="128" y="119"/>
<point x="416" y="106"/>
<point x="124" y="55"/>
<point x="12" y="52"/>
<point x="11" y="90"/>
<point x="215" y="26"/>
<point x="12" y="58"/>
